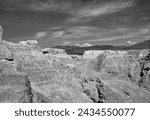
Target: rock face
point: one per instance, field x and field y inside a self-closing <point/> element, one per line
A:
<point x="118" y="64"/>
<point x="34" y="75"/>
<point x="54" y="81"/>
<point x="1" y="33"/>
<point x="120" y="71"/>
<point x="5" y="53"/>
<point x="145" y="72"/>
<point x="14" y="87"/>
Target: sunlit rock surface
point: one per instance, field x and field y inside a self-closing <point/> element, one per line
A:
<point x="34" y="75"/>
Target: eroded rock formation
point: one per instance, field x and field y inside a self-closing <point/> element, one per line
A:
<point x="31" y="74"/>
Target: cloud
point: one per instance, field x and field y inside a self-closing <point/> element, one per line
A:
<point x="83" y="45"/>
<point x="75" y="32"/>
<point x="67" y="43"/>
<point x="74" y="7"/>
<point x="131" y="43"/>
<point x="108" y="8"/>
<point x="86" y="13"/>
<point x="57" y="34"/>
<point x="86" y="45"/>
<point x="67" y="33"/>
<point x="94" y="34"/>
<point x="126" y="33"/>
<point x="40" y="35"/>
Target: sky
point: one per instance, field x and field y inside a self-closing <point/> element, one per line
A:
<point x="76" y="22"/>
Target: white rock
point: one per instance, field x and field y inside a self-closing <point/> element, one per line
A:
<point x="32" y="42"/>
<point x="23" y="43"/>
<point x="94" y="53"/>
<point x="28" y="43"/>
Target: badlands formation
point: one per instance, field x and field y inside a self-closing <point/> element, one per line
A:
<point x="29" y="74"/>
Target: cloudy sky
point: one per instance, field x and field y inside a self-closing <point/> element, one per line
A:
<point x="75" y="22"/>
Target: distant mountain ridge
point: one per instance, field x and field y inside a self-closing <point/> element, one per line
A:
<point x="80" y="50"/>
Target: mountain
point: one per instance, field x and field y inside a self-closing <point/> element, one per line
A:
<point x="80" y="50"/>
<point x="141" y="45"/>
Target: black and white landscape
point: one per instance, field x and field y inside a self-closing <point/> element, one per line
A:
<point x="75" y="51"/>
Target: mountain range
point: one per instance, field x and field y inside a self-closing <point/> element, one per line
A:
<point x="80" y="50"/>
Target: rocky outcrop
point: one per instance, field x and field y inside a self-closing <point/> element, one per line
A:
<point x="94" y="88"/>
<point x="15" y="87"/>
<point x="111" y="61"/>
<point x="31" y="74"/>
<point x="120" y="75"/>
<point x="143" y="53"/>
<point x="5" y="53"/>
<point x="59" y="53"/>
<point x="145" y="72"/>
<point x="28" y="43"/>
<point x="119" y="91"/>
<point x="111" y="89"/>
<point x="1" y="33"/>
<point x="118" y="64"/>
<point x="23" y="46"/>
<point x="53" y="80"/>
<point x="94" y="53"/>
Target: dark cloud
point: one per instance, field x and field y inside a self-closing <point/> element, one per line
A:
<point x="55" y="22"/>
